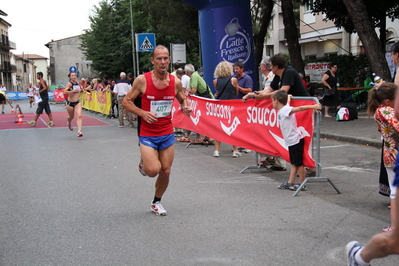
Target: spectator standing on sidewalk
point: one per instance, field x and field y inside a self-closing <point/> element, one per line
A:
<point x="278" y="164"/>
<point x="331" y="96"/>
<point x="43" y="105"/>
<point x="121" y="88"/>
<point x="157" y="89"/>
<point x="245" y="82"/>
<point x="380" y="105"/>
<point x="286" y="79"/>
<point x="226" y="87"/>
<point x="198" y="87"/>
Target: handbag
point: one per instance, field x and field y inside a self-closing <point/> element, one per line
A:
<point x="206" y="93"/>
<point x="224" y="87"/>
<point x="328" y="92"/>
<point x="38" y="99"/>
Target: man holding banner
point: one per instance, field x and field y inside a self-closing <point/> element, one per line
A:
<point x="157" y="90"/>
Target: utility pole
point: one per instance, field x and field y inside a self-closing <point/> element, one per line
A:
<point x="131" y="20"/>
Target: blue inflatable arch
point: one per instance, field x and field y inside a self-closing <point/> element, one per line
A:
<point x="226" y="34"/>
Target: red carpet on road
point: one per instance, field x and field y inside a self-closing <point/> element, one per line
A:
<point x="10" y="121"/>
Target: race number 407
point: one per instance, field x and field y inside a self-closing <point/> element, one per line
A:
<point x="161" y="108"/>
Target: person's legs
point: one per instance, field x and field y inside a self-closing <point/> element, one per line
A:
<point x="280" y="162"/>
<point x="293" y="173"/>
<point x="217" y="145"/>
<point x="216" y="152"/>
<point x="301" y="173"/>
<point x="326" y="110"/>
<point x="166" y="157"/>
<point x="391" y="177"/>
<point x="78" y="112"/>
<point x="121" y="109"/>
<point x="129" y="116"/>
<point x="188" y="133"/>
<point x="379" y="246"/>
<point x="71" y="113"/>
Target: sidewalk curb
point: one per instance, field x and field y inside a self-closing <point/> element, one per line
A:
<point x="358" y="140"/>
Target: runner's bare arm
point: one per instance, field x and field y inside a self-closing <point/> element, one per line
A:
<point x="182" y="98"/>
<point x="138" y="88"/>
<point x="66" y="89"/>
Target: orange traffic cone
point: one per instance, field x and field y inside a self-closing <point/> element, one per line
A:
<point x="20" y="119"/>
<point x="12" y="110"/>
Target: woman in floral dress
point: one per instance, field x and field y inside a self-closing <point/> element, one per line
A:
<point x="380" y="104"/>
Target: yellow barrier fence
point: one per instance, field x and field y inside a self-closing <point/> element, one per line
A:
<point x="97" y="101"/>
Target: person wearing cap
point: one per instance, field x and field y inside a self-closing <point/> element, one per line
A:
<point x="43" y="105"/>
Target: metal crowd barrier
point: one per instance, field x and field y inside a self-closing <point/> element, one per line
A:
<point x="316" y="138"/>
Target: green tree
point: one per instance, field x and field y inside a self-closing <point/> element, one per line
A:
<point x="291" y="33"/>
<point x="108" y="42"/>
<point x="363" y="16"/>
<point x="261" y="11"/>
<point x="377" y="13"/>
<point x="175" y="22"/>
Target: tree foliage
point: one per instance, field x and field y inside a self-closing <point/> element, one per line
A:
<point x="108" y="42"/>
<point x="261" y="11"/>
<point x="175" y="22"/>
<point x="377" y="11"/>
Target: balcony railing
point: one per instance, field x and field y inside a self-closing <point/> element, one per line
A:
<point x="13" y="45"/>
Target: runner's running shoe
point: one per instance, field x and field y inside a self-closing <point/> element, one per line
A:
<point x="69" y="126"/>
<point x="141" y="167"/>
<point x="33" y="123"/>
<point x="51" y="123"/>
<point x="158" y="209"/>
<point x="80" y="134"/>
<point x="351" y="249"/>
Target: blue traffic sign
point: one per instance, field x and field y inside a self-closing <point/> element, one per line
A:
<point x="72" y="69"/>
<point x="145" y="42"/>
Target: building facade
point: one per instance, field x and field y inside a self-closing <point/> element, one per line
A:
<point x="40" y="63"/>
<point x="24" y="74"/>
<point x="5" y="47"/>
<point x="64" y="55"/>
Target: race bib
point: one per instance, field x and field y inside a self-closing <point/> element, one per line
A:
<point x="161" y="108"/>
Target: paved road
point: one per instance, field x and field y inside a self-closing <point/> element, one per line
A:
<point x="81" y="201"/>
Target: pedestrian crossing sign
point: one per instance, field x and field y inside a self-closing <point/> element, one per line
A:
<point x="145" y="42"/>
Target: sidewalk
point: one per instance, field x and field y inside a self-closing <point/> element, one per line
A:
<point x="362" y="131"/>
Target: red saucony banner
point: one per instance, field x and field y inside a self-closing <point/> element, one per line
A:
<point x="252" y="125"/>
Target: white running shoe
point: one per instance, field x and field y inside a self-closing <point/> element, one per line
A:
<point x="351" y="249"/>
<point x="158" y="209"/>
<point x="216" y="153"/>
<point x="236" y="154"/>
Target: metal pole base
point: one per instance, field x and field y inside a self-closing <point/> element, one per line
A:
<point x="316" y="179"/>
